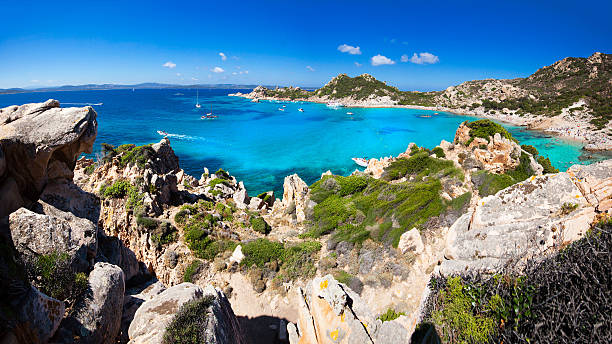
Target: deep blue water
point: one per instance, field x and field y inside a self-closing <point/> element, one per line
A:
<point x="261" y="145"/>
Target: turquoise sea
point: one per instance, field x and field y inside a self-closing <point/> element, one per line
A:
<point x="261" y="145"/>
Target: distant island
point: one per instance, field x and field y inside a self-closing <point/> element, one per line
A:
<point x="570" y="98"/>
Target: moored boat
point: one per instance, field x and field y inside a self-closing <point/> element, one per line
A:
<point x="301" y="110"/>
<point x="334" y="105"/>
<point x="162" y="133"/>
<point x="361" y="161"/>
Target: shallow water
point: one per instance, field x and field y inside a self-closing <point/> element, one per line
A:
<point x="261" y="145"/>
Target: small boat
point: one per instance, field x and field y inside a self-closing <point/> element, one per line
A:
<point x="198" y="99"/>
<point x="208" y="117"/>
<point x="350" y="113"/>
<point x="435" y="113"/>
<point x="255" y="100"/>
<point x="284" y="106"/>
<point x="281" y="109"/>
<point x="425" y="116"/>
<point x="162" y="133"/>
<point x="301" y="110"/>
<point x="334" y="105"/>
<point x="363" y="162"/>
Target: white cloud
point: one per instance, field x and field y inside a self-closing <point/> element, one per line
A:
<point x="234" y="73"/>
<point x="422" y="58"/>
<point x="194" y="79"/>
<point x="35" y="81"/>
<point x="357" y="64"/>
<point x="310" y="68"/>
<point x="223" y="57"/>
<point x="169" y="64"/>
<point x="246" y="72"/>
<point x="217" y="70"/>
<point x="178" y="74"/>
<point x="405" y="58"/>
<point x="379" y="60"/>
<point x="345" y="48"/>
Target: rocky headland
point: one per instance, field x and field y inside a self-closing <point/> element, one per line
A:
<point x="131" y="249"/>
<point x="570" y="98"/>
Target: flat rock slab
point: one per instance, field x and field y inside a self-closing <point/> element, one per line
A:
<point x="518" y="222"/>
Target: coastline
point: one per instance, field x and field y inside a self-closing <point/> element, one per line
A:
<point x="560" y="127"/>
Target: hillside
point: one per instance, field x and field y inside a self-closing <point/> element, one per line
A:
<point x="586" y="82"/>
<point x="580" y="89"/>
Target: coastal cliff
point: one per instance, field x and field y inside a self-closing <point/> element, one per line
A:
<point x="129" y="248"/>
<point x="570" y="98"/>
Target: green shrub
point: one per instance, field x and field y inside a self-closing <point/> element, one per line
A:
<point x="164" y="234"/>
<point x="216" y="181"/>
<point x="131" y="154"/>
<point x="342" y="276"/>
<point x="546" y="164"/>
<point x="52" y="274"/>
<point x="222" y="174"/>
<point x="390" y="315"/>
<point x="191" y="322"/>
<point x="90" y="169"/>
<point x="461" y="201"/>
<point x="463" y="316"/>
<point x="117" y="190"/>
<point x="261" y="251"/>
<point x="530" y="149"/>
<point x="567" y="208"/>
<point x="147" y="222"/>
<point x="192" y="270"/>
<point x="260" y="225"/>
<point x="439" y="152"/>
<point x="299" y="260"/>
<point x="485" y="129"/>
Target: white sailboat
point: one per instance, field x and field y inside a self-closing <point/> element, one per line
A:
<point x="198" y="99"/>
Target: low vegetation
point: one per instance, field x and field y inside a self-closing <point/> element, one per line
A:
<point x="122" y="188"/>
<point x="565" y="297"/>
<point x="52" y="275"/>
<point x="128" y="154"/>
<point x="390" y="315"/>
<point x="490" y="183"/>
<point x="192" y="270"/>
<point x="358" y="207"/>
<point x="486" y="129"/>
<point x="295" y="260"/>
<point x="190" y="323"/>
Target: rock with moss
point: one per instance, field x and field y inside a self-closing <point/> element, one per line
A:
<point x="186" y="313"/>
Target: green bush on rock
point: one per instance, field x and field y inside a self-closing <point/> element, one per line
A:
<point x="190" y="323"/>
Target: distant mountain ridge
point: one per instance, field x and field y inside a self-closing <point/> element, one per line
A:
<point x="146" y="85"/>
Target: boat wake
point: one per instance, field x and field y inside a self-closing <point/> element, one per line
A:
<point x="191" y="138"/>
<point x="97" y="104"/>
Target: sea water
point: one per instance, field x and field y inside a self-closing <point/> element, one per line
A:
<point x="260" y="144"/>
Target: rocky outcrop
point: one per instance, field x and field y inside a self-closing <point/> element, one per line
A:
<point x="54" y="231"/>
<point x="40" y="143"/>
<point x="153" y="316"/>
<point x="329" y="312"/>
<point x="595" y="183"/>
<point x="295" y="201"/>
<point x="539" y="214"/>
<point x="497" y="154"/>
<point x="43" y="314"/>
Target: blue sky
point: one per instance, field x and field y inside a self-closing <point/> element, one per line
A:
<point x="292" y="42"/>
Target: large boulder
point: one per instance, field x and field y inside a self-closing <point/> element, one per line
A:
<point x="153" y="316"/>
<point x="43" y="314"/>
<point x="112" y="250"/>
<point x="520" y="222"/>
<point x="54" y="231"/>
<point x="329" y="312"/>
<point x="98" y="316"/>
<point x="40" y="142"/>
